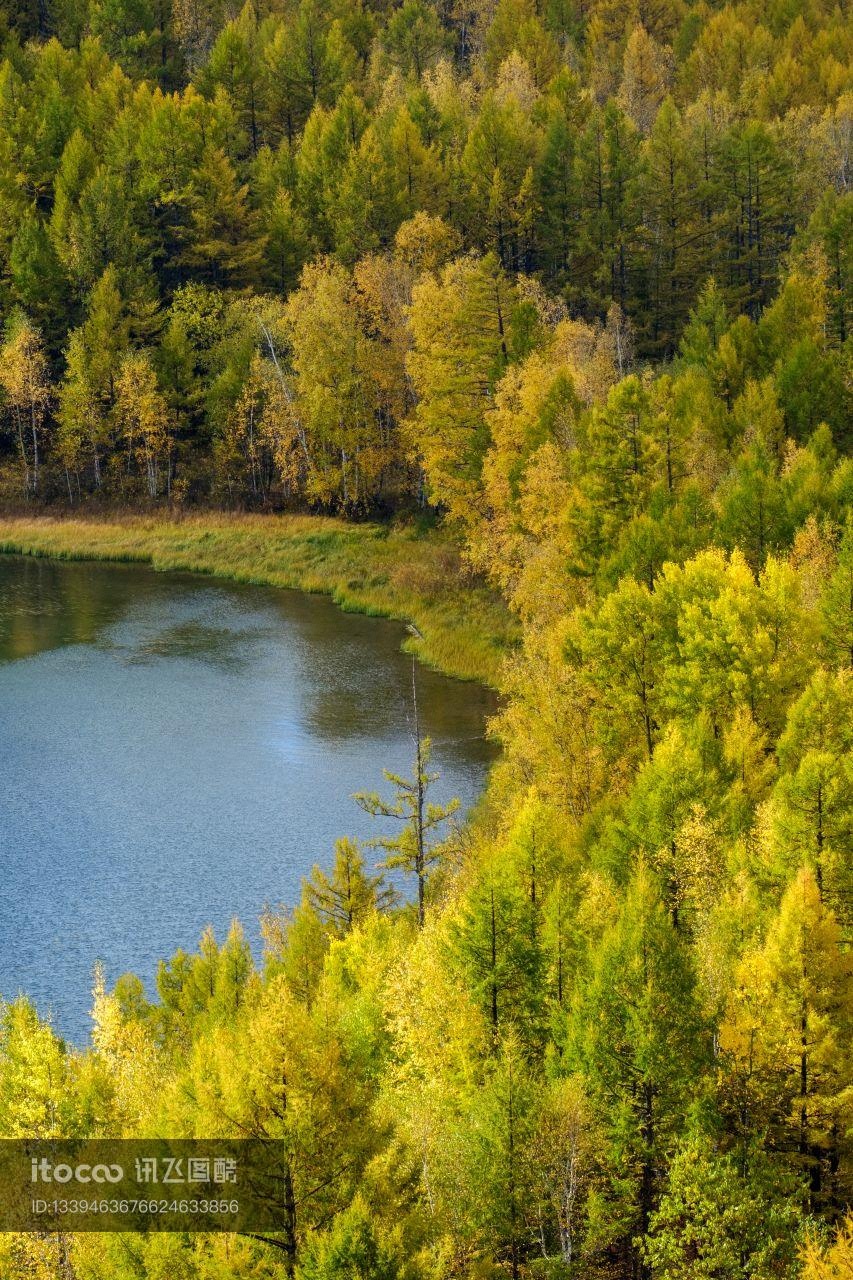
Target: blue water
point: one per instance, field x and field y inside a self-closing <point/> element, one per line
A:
<point x="177" y="752"/>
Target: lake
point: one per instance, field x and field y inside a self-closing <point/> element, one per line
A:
<point x="176" y="751"/>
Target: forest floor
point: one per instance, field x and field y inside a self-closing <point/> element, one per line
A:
<point x="394" y="572"/>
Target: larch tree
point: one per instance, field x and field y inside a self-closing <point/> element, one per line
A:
<point x="415" y="848"/>
<point x="346" y="897"/>
<point x="462" y="339"/>
<point x="786" y="1038"/>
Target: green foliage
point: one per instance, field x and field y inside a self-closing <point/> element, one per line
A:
<point x="415" y="849"/>
<point x="723" y="1216"/>
<point x="349" y="1250"/>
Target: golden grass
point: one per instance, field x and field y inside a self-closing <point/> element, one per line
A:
<point x="366" y="568"/>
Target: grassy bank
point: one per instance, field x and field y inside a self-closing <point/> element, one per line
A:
<point x="366" y="568"/>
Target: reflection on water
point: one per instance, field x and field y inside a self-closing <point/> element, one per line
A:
<point x="190" y="640"/>
<point x="177" y="751"/>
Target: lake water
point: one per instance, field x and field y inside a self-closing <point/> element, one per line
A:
<point x="176" y="751"/>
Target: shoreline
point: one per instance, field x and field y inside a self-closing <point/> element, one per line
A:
<point x="390" y="572"/>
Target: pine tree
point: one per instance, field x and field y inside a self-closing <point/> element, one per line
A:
<point x="87" y="395"/>
<point x="499" y="1126"/>
<point x="722" y="1217"/>
<point x="498" y="941"/>
<point x="836" y="605"/>
<point x="811" y="810"/>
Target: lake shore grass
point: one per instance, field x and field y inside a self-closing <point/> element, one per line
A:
<point x="394" y="572"/>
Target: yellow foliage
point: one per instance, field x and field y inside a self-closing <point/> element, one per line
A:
<point x="834" y="1261"/>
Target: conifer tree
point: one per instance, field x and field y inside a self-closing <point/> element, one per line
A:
<point x="636" y="1034"/>
<point x="344" y="899"/>
<point x="787" y="1037"/>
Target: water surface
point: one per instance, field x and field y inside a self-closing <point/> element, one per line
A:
<point x="177" y="751"/>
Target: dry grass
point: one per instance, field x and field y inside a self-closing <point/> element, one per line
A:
<point x="366" y="568"/>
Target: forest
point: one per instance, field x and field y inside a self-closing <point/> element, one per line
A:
<point x="570" y="279"/>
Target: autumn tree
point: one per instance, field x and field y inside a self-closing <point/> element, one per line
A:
<point x="349" y="895"/>
<point x="786" y="1037"/>
<point x="143" y="420"/>
<point x="462" y="340"/>
<point x="27" y="391"/>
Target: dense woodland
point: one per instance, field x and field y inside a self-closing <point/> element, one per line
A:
<point x="575" y="280"/>
<point x="282" y="256"/>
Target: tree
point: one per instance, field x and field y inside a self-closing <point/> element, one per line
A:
<point x="517" y="26"/>
<point x="425" y="243"/>
<point x="811" y="810"/>
<point x="618" y="458"/>
<point x="127" y="1053"/>
<point x="722" y="1217"/>
<point x="499" y="1126"/>
<point x="286" y="242"/>
<point x="834" y="1262"/>
<point x="342" y="367"/>
<point x="348" y="896"/>
<point x="36" y="274"/>
<point x="93" y="224"/>
<point x="417" y="176"/>
<point x="566" y="1149"/>
<point x="706" y="325"/>
<point x="223" y="241"/>
<point x="622" y="644"/>
<point x="306" y="62"/>
<point x="498" y="944"/>
<point x="260" y="446"/>
<point x="286" y="1072"/>
<point x="607" y="172"/>
<point x="636" y="1034"/>
<point x="752" y="511"/>
<point x="728" y="641"/>
<point x="87" y="395"/>
<point x="415" y="37"/>
<point x="25" y="383"/>
<point x="786" y="1038"/>
<point x="235" y="64"/>
<point x="548" y="727"/>
<point x="143" y="419"/>
<point x="211" y="983"/>
<point x="644" y="79"/>
<point x="836" y="605"/>
<point x="663" y="800"/>
<point x="750" y="766"/>
<point x="137" y="33"/>
<point x="830" y="228"/>
<point x="37" y="1092"/>
<point x="675" y="234"/>
<point x="349" y="1250"/>
<point x="414" y="850"/>
<point x="497" y="166"/>
<point x="462" y="333"/>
